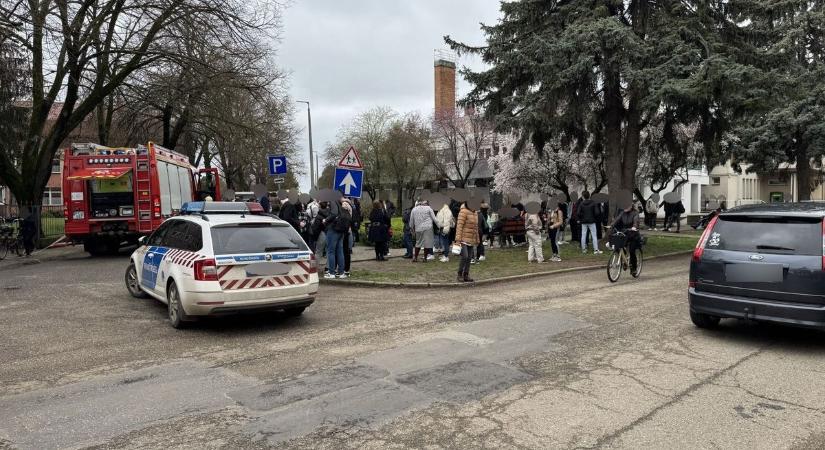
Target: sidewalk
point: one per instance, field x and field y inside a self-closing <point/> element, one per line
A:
<point x="12" y="261"/>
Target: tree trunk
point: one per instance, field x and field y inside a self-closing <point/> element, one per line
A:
<point x="613" y="135"/>
<point x="803" y="176"/>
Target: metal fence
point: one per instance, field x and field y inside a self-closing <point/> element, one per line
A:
<point x="52" y="221"/>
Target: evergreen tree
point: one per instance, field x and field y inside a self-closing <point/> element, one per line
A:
<point x="786" y="120"/>
<point x="596" y="74"/>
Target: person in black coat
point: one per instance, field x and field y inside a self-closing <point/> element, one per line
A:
<point x="379" y="232"/>
<point x="289" y="214"/>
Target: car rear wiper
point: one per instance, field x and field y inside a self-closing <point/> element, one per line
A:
<point x="275" y="249"/>
<point x="773" y="247"/>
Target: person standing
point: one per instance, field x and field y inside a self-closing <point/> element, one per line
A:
<point x="357" y="219"/>
<point x="651" y="211"/>
<point x="265" y="204"/>
<point x="337" y="223"/>
<point x="575" y="226"/>
<point x="676" y="215"/>
<point x="407" y="238"/>
<point x="555" y="222"/>
<point x="533" y="227"/>
<point x="588" y="216"/>
<point x="466" y="235"/>
<point x="668" y="213"/>
<point x="28" y="228"/>
<point x="379" y="230"/>
<point x="445" y="221"/>
<point x="312" y="212"/>
<point x="289" y="214"/>
<point x="346" y="205"/>
<point x="483" y="230"/>
<point x="422" y="219"/>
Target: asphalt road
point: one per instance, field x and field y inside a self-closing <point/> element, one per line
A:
<point x="562" y="362"/>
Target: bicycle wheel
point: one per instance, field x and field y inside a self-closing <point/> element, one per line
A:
<point x="614" y="267"/>
<point x="18" y="247"/>
<point x="638" y="271"/>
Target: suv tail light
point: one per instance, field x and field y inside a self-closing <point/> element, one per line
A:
<point x="700" y="246"/>
<point x="206" y="270"/>
<point x="313" y="262"/>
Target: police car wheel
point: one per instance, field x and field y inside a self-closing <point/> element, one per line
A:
<point x="132" y="283"/>
<point x="177" y="316"/>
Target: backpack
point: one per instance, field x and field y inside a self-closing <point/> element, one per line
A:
<point x="342" y="221"/>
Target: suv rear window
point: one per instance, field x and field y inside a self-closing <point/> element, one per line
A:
<point x="255" y="238"/>
<point x="777" y="235"/>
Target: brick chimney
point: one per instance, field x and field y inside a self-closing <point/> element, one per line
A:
<point x="444" y="86"/>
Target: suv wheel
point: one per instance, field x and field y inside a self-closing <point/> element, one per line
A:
<point x="132" y="283"/>
<point x="704" y="320"/>
<point x="177" y="316"/>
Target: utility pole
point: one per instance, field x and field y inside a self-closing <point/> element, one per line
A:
<point x="312" y="179"/>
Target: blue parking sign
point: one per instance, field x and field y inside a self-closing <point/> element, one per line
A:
<point x="277" y="165"/>
<point x="348" y="181"/>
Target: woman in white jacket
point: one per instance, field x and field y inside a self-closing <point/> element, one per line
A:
<point x="445" y="222"/>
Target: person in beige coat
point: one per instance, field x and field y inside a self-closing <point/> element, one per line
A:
<point x="466" y="235"/>
<point x="533" y="226"/>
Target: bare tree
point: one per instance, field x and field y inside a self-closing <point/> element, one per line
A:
<point x="459" y="141"/>
<point x="82" y="51"/>
<point x="406" y="150"/>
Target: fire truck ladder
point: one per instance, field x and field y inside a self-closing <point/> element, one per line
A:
<point x="144" y="189"/>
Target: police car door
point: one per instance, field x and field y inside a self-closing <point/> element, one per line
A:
<point x="153" y="255"/>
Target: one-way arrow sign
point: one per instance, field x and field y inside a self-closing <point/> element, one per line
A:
<point x="348" y="181"/>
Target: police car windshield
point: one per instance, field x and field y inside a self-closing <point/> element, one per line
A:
<point x="255" y="238"/>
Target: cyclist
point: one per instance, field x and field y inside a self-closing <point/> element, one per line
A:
<point x="628" y="223"/>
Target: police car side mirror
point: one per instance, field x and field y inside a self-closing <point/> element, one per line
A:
<point x="142" y="240"/>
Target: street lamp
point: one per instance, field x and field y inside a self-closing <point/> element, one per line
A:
<point x="311" y="157"/>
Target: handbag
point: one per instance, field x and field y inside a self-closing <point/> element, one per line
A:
<point x="455" y="249"/>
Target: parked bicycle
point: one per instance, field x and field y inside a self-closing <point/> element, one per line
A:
<point x="620" y="259"/>
<point x="11" y="241"/>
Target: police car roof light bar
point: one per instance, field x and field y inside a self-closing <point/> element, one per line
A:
<point x="214" y="208"/>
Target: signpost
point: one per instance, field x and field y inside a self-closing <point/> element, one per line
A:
<point x="277" y="165"/>
<point x="349" y="175"/>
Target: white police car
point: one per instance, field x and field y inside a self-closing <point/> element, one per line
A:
<point x="219" y="258"/>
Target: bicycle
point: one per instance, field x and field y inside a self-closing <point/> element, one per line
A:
<point x="620" y="259"/>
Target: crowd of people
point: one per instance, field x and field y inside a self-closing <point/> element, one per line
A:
<point x="462" y="229"/>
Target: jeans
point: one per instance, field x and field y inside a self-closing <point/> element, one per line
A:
<point x="466" y="256"/>
<point x="335" y="252"/>
<point x="321" y="245"/>
<point x="445" y="244"/>
<point x="534" y="252"/>
<point x="408" y="243"/>
<point x="594" y="237"/>
<point x="552" y="234"/>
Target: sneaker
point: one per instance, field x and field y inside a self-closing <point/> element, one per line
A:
<point x="430" y="257"/>
<point x="473" y="261"/>
<point x="555" y="258"/>
<point x="347" y="275"/>
<point x="328" y="275"/>
<point x="482" y="258"/>
<point x="597" y="252"/>
<point x="444" y="259"/>
<point x="342" y="275"/>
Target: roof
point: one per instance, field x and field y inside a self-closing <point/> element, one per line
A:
<point x="802" y="209"/>
<point x="224" y="219"/>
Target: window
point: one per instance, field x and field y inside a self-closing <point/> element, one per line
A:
<point x="776" y="182"/>
<point x="715" y="181"/>
<point x="775" y="235"/>
<point x="52" y="196"/>
<point x="184" y="235"/>
<point x="163" y="180"/>
<point x="174" y="187"/>
<point x="156" y="238"/>
<point x="185" y="178"/>
<point x="56" y="166"/>
<point x="255" y="238"/>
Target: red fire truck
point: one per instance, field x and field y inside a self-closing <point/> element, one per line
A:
<point x="113" y="196"/>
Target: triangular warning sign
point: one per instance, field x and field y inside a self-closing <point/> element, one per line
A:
<point x="351" y="160"/>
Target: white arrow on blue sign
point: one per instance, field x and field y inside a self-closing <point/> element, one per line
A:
<point x="348" y="181"/>
<point x="277" y="165"/>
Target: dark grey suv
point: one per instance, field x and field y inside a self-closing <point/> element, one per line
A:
<point x="761" y="262"/>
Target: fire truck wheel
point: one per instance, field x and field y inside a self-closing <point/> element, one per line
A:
<point x="94" y="247"/>
<point x="132" y="284"/>
<point x="177" y="316"/>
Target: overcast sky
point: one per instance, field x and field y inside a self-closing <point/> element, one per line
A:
<point x="348" y="56"/>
